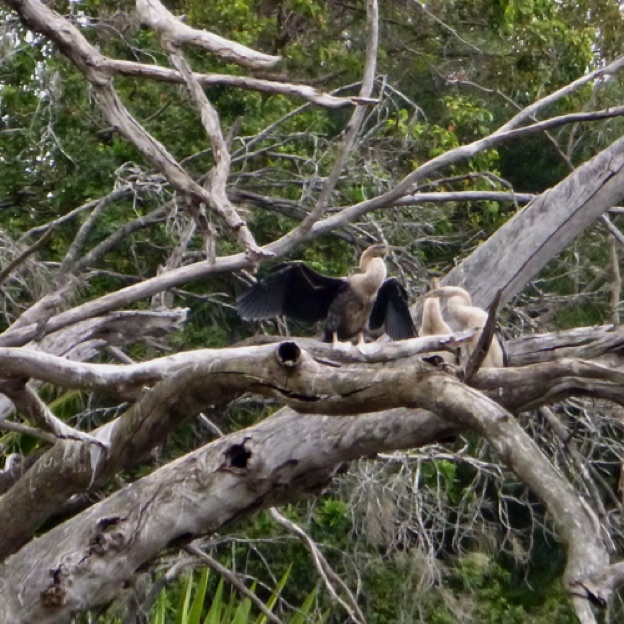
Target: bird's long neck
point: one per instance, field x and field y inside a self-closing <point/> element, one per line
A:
<point x="459" y="310"/>
<point x="459" y="306"/>
<point x="433" y="324"/>
<point x="372" y="276"/>
<point x="461" y="295"/>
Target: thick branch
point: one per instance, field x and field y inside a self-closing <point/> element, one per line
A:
<point x="525" y="243"/>
<point x="87" y="559"/>
<point x="598" y="587"/>
<point x="153" y="14"/>
<point x="128" y="381"/>
<point x="282" y="371"/>
<point x="73" y="467"/>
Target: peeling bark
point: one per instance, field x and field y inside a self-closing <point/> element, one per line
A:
<point x="84" y="562"/>
<point x="270" y="464"/>
<point x="551" y="221"/>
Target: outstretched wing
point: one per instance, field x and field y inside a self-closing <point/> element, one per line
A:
<point x="390" y="308"/>
<point x="294" y="290"/>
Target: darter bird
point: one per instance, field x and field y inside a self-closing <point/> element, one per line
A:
<point x="345" y="304"/>
<point x="462" y="315"/>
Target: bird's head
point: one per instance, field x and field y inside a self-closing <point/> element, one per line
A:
<point x="374" y="251"/>
<point x="434" y="292"/>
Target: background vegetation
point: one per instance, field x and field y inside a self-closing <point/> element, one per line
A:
<point x="438" y="535"/>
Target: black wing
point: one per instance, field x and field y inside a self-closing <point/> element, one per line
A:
<point x="390" y="308"/>
<point x="294" y="290"/>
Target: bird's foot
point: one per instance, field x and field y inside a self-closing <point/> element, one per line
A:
<point x="345" y="347"/>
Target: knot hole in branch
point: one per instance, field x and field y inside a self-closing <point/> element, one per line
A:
<point x="288" y="354"/>
<point x="238" y="456"/>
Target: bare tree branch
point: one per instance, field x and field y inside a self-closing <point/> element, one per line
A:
<point x="353" y="127"/>
<point x="30" y="405"/>
<point x="93" y="65"/>
<point x="120" y="234"/>
<point x="245" y="467"/>
<point x="530" y="111"/>
<point x="154" y="15"/>
<point x="119" y="193"/>
<point x="261" y="370"/>
<point x="25" y="429"/>
<point x="6" y="271"/>
<point x="330" y="578"/>
<point x="305" y="92"/>
<point x="83" y="562"/>
<point x="460" y="154"/>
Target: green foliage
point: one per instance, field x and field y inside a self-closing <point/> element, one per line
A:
<point x="202" y="603"/>
<point x="450" y="86"/>
<point x="502" y="597"/>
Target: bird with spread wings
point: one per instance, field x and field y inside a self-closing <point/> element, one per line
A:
<point x="345" y="304"/>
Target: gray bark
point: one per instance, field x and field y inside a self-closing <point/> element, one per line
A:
<point x="521" y="248"/>
<point x="85" y="561"/>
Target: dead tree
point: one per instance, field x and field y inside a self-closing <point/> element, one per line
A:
<point x="382" y="401"/>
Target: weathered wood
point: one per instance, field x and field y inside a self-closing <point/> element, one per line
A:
<point x="519" y="249"/>
<point x="153" y="14"/>
<point x="84" y="562"/>
<point x="603" y="343"/>
<point x="282" y="371"/>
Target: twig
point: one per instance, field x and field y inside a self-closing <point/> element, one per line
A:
<point x="532" y="109"/>
<point x="27" y="401"/>
<point x="119" y="354"/>
<point x="81" y="237"/>
<point x="445" y="26"/>
<point x="155" y="216"/>
<point x="24" y="255"/>
<point x="459" y="154"/>
<point x="168" y="577"/>
<point x="353" y="127"/>
<point x="487" y="335"/>
<point x="229" y="576"/>
<point x="212" y="427"/>
<point x="612" y="229"/>
<point x="8" y="425"/>
<point x="119" y="193"/>
<point x="616" y="282"/>
<point x="579" y="462"/>
<point x="330" y="578"/>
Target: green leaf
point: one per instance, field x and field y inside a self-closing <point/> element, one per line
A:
<point x="197" y="607"/>
<point x="161" y="609"/>
<point x="301" y="616"/>
<point x="275" y="595"/>
<point x="185" y="601"/>
<point x="214" y="615"/>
